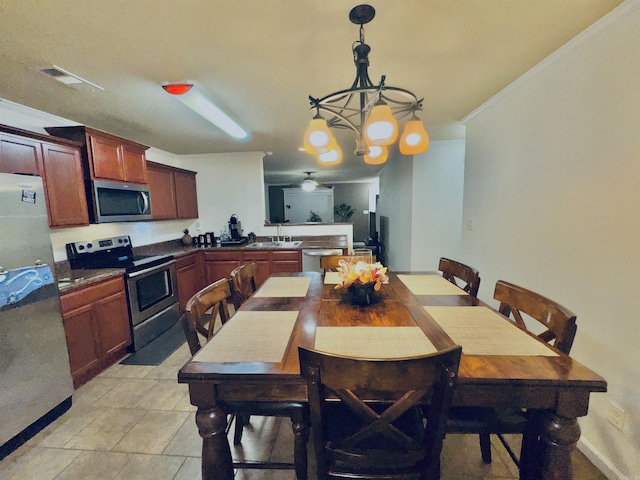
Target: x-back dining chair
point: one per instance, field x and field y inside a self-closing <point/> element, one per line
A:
<point x="205" y="305"/>
<point x="452" y="270"/>
<point x="330" y="263"/>
<point x="202" y="309"/>
<point x="375" y="430"/>
<point x="560" y="324"/>
<point x="243" y="280"/>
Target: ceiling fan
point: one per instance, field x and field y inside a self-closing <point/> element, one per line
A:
<point x="309" y="184"/>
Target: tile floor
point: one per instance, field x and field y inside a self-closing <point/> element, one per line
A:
<point x="135" y="422"/>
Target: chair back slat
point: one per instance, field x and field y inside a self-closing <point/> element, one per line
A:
<point x="559" y="321"/>
<point x="452" y="270"/>
<point x="202" y="308"/>
<point x="380" y="397"/>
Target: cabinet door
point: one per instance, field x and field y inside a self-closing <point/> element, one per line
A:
<point x="220" y="264"/>
<point x="190" y="276"/>
<point x="64" y="186"/>
<point x="112" y="323"/>
<point x="19" y="155"/>
<point x="262" y="261"/>
<point x="135" y="168"/>
<point x="186" y="194"/>
<point x="106" y="158"/>
<point x="286" y="261"/>
<point x="162" y="190"/>
<point x="82" y="341"/>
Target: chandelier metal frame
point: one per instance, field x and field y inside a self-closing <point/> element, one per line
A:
<point x="350" y="108"/>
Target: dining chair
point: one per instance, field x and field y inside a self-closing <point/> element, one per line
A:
<point x="202" y="308"/>
<point x="330" y="263"/>
<point x="243" y="281"/>
<point x="560" y="325"/>
<point x="365" y="416"/>
<point x="452" y="270"/>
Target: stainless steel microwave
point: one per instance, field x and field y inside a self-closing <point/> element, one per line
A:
<point x="120" y="202"/>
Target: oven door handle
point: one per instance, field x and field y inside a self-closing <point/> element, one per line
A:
<point x="150" y="269"/>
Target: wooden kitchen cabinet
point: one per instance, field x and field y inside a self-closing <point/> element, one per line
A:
<point x="163" y="192"/>
<point x="285" y="261"/>
<point x="190" y="276"/>
<point x="58" y="162"/>
<point x="65" y="191"/>
<point x="107" y="157"/>
<point x="173" y="192"/>
<point x="19" y="154"/>
<point x="186" y="194"/>
<point x="97" y="327"/>
<point x="261" y="258"/>
<point x="219" y="263"/>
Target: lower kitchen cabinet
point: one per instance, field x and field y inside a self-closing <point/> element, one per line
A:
<point x="97" y="328"/>
<point x="190" y="276"/>
<point x="261" y="258"/>
<point x="285" y="261"/>
<point x="220" y="263"/>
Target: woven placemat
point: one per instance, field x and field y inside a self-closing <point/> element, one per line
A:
<point x="331" y="278"/>
<point x="430" y="285"/>
<point x="250" y="337"/>
<point x="482" y="331"/>
<point x="373" y="342"/>
<point x="284" y="287"/>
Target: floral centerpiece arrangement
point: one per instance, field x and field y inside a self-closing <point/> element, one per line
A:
<point x="361" y="273"/>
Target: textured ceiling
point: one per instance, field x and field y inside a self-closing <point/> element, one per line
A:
<point x="260" y="59"/>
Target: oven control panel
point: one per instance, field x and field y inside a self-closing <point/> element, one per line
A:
<point x="98" y="245"/>
<point x="103" y="253"/>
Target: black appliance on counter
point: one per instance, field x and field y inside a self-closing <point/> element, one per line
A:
<point x="235" y="234"/>
<point x="152" y="289"/>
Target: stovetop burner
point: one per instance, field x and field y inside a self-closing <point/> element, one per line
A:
<point x="116" y="252"/>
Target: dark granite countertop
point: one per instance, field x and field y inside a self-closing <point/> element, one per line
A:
<point x="70" y="280"/>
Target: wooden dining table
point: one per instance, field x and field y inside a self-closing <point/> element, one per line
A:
<point x="254" y="356"/>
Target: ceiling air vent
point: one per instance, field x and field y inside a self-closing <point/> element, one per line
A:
<point x="68" y="78"/>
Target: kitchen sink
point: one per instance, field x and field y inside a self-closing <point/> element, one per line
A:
<point x="295" y="244"/>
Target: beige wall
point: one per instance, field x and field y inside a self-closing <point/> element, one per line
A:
<point x="552" y="187"/>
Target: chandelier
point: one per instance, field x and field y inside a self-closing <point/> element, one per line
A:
<point x="371" y="111"/>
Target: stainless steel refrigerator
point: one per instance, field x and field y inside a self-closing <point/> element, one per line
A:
<point x="35" y="379"/>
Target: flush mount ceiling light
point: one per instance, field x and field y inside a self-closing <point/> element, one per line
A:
<point x="309" y="184"/>
<point x="193" y="98"/>
<point x="371" y="111"/>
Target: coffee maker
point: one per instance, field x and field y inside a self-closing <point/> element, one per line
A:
<point x="235" y="228"/>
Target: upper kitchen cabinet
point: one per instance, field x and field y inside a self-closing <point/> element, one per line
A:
<point x="173" y="192"/>
<point x="108" y="157"/>
<point x="66" y="198"/>
<point x="58" y="162"/>
<point x="19" y="154"/>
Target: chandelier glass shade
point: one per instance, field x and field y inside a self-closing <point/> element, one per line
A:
<point x="371" y="111"/>
<point x="377" y="155"/>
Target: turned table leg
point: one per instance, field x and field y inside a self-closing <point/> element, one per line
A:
<point x="216" y="455"/>
<point x="558" y="439"/>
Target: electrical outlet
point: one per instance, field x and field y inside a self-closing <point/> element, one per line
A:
<point x="198" y="226"/>
<point x="470" y="225"/>
<point x="616" y="415"/>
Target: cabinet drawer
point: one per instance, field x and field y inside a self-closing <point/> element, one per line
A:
<point x="249" y="256"/>
<point x="91" y="294"/>
<point x="187" y="260"/>
<point x="222" y="255"/>
<point x="286" y="255"/>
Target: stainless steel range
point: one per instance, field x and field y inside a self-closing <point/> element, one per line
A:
<point x="152" y="290"/>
